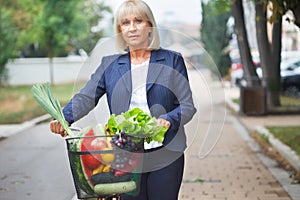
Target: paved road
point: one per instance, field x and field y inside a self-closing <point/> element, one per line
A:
<point x="34" y="166"/>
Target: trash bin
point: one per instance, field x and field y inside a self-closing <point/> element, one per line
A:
<point x="252" y="100"/>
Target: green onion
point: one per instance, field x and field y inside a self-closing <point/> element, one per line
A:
<point x="44" y="97"/>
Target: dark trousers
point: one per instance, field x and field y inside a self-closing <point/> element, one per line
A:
<point x="164" y="179"/>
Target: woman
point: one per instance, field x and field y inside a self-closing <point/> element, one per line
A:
<point x="146" y="76"/>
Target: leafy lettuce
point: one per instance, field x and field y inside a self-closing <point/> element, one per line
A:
<point x="137" y="123"/>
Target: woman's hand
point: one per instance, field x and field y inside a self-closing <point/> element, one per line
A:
<point x="163" y="122"/>
<point x="57" y="128"/>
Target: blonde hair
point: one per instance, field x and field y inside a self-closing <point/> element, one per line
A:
<point x="139" y="8"/>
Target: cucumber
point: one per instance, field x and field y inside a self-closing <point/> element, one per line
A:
<point x="108" y="177"/>
<point x="114" y="188"/>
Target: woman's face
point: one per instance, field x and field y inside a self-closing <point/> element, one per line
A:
<point x="135" y="31"/>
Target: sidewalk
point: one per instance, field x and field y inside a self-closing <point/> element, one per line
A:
<point x="236" y="169"/>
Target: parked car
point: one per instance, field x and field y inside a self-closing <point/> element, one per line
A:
<point x="290" y="77"/>
<point x="237" y="74"/>
<point x="291" y="85"/>
<point x="289" y="71"/>
<point x="290" y="64"/>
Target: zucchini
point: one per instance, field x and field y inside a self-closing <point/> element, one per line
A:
<point x="114" y="188"/>
<point x="108" y="177"/>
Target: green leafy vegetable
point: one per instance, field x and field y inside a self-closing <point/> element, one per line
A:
<point x="44" y="97"/>
<point x="137" y="123"/>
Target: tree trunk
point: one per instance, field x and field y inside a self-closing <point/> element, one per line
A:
<point x="274" y="88"/>
<point x="250" y="74"/>
<point x="269" y="54"/>
<point x="262" y="39"/>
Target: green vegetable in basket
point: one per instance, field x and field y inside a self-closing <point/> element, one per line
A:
<point x="109" y="177"/>
<point x="115" y="188"/>
<point x="137" y="122"/>
<point x="44" y="97"/>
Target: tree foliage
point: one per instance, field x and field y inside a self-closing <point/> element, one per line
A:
<point x="95" y="12"/>
<point x="8" y="35"/>
<point x="214" y="33"/>
<point x="58" y="23"/>
<point x="69" y="23"/>
<point x="48" y="27"/>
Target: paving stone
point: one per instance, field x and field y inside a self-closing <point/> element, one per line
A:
<point x="231" y="171"/>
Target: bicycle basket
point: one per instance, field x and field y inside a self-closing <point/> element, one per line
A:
<point x="104" y="166"/>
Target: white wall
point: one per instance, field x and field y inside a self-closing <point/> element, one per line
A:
<point x="28" y="71"/>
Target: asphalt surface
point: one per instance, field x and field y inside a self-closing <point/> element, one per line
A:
<point x="34" y="166"/>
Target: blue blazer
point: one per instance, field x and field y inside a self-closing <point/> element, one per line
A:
<point x="168" y="92"/>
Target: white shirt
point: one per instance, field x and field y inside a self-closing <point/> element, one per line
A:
<point x="139" y="96"/>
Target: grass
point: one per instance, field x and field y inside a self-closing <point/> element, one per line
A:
<point x="236" y="100"/>
<point x="289" y="135"/>
<point x="289" y="101"/>
<point x="18" y="105"/>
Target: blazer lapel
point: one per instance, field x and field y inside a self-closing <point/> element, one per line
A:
<point x="155" y="67"/>
<point x="124" y="70"/>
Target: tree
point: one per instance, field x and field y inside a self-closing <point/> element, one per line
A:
<point x="48" y="27"/>
<point x="58" y="23"/>
<point x="29" y="14"/>
<point x="250" y="74"/>
<point x="94" y="10"/>
<point x="214" y="41"/>
<point x="8" y="35"/>
<point x="270" y="52"/>
<point x="269" y="48"/>
<point x="80" y="18"/>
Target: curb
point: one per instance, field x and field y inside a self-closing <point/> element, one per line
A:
<point x="12" y="129"/>
<point x="283" y="149"/>
<point x="232" y="105"/>
<point x="281" y="175"/>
